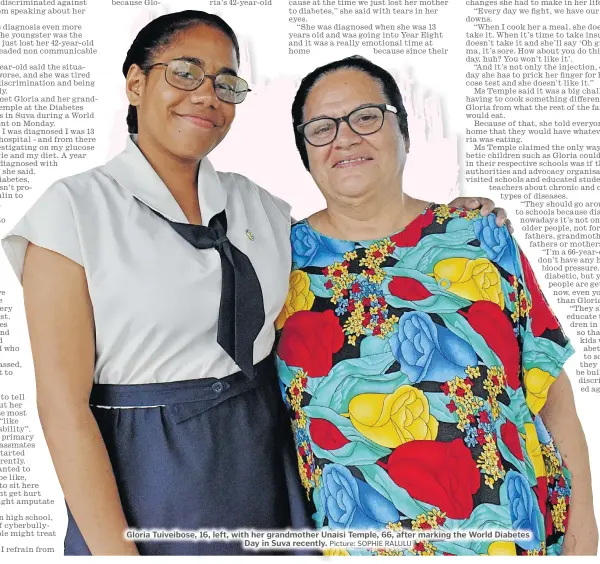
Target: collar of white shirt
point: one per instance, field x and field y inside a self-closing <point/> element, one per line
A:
<point x="133" y="172"/>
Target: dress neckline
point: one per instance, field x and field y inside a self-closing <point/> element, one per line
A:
<point x="368" y="241"/>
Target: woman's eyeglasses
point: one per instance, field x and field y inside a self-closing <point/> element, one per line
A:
<point x="187" y="75"/>
<point x="365" y="120"/>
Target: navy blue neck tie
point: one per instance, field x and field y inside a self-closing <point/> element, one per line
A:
<point x="241" y="311"/>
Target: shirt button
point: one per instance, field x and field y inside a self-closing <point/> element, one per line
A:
<point x="217" y="387"/>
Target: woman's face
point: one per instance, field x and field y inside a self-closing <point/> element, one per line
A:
<point x="353" y="166"/>
<point x="187" y="124"/>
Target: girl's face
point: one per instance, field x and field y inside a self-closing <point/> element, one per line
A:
<point x="186" y="124"/>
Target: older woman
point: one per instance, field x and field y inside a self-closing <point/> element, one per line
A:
<point x="418" y="357"/>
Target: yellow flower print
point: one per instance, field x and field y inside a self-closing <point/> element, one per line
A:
<point x="419" y="522"/>
<point x="553" y="464"/>
<point x="536" y="552"/>
<point x="393" y="419"/>
<point x="537" y="384"/>
<point x="559" y="513"/>
<point x="423" y="548"/>
<point x="534" y="450"/>
<point x="299" y="297"/>
<point x="335" y="552"/>
<point x="502" y="548"/>
<point x="473" y="280"/>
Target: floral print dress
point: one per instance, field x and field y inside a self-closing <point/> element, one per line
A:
<point x="414" y="368"/>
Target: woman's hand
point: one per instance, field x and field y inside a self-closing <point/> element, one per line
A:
<point x="487" y="206"/>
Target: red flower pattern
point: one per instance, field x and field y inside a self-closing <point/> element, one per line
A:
<point x="326" y="435"/>
<point x="309" y="340"/>
<point x="408" y="289"/>
<point x="487" y="319"/>
<point x="442" y="474"/>
<point x="541" y="315"/>
<point x="410" y="236"/>
<point x="510" y="437"/>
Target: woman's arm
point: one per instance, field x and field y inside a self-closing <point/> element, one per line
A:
<point x="61" y="330"/>
<point x="560" y="417"/>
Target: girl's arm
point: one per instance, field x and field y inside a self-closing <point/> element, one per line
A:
<point x="61" y="330"/>
<point x="487" y="206"/>
<point x="560" y="417"/>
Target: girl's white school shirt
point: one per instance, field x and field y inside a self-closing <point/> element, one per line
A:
<point x="155" y="297"/>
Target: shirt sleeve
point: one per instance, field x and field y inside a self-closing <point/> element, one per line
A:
<point x="545" y="346"/>
<point x="283" y="206"/>
<point x="280" y="204"/>
<point x="50" y="223"/>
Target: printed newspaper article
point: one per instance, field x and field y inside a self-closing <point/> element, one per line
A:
<point x="430" y="383"/>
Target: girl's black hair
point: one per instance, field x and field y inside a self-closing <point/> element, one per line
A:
<point x="385" y="79"/>
<point x="158" y="33"/>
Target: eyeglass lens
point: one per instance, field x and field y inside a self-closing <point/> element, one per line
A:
<point x="362" y="121"/>
<point x="186" y="75"/>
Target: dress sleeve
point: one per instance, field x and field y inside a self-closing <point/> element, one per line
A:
<point x="50" y="223"/>
<point x="545" y="346"/>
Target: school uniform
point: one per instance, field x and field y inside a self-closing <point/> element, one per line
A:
<point x="191" y="413"/>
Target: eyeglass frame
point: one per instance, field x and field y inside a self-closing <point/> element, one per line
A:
<point x="205" y="75"/>
<point x="383" y="107"/>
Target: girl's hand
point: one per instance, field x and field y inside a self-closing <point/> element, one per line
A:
<point x="487" y="206"/>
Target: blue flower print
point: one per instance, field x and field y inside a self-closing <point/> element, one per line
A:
<point x="311" y="249"/>
<point x="471" y="436"/>
<point x="542" y="433"/>
<point x="350" y="503"/>
<point x="496" y="242"/>
<point x="427" y="351"/>
<point x="524" y="510"/>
